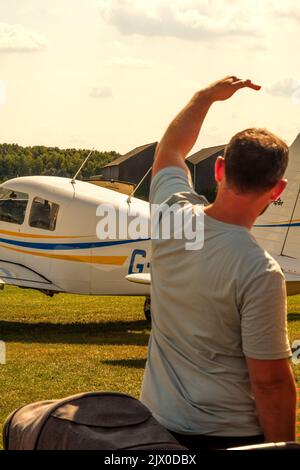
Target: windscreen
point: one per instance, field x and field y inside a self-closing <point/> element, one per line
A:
<point x="12" y="206"/>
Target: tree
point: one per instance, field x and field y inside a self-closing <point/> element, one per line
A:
<point x="16" y="160"/>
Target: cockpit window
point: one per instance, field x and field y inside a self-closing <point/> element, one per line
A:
<point x="12" y="206"/>
<point x="43" y="214"/>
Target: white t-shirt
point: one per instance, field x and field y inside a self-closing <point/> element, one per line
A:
<point x="210" y="308"/>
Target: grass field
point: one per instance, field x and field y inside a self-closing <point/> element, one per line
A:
<point x="70" y="343"/>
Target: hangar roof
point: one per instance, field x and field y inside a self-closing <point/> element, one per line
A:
<point x="130" y="154"/>
<point x="205" y="153"/>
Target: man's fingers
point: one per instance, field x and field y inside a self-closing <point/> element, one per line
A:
<point x="254" y="86"/>
<point x="247" y="83"/>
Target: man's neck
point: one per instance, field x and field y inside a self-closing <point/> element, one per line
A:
<point x="233" y="209"/>
<point x="228" y="218"/>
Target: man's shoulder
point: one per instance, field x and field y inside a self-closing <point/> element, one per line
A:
<point x="256" y="260"/>
<point x="184" y="197"/>
<point x="258" y="276"/>
<point x="170" y="181"/>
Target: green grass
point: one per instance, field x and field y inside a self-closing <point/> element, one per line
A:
<point x="70" y="343"/>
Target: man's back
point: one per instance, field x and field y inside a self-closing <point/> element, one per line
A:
<point x="210" y="308"/>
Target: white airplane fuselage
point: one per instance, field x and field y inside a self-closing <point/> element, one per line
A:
<point x="67" y="256"/>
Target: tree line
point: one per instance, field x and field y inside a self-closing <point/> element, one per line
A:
<point x="16" y="160"/>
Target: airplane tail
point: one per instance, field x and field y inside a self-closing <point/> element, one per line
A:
<point x="278" y="229"/>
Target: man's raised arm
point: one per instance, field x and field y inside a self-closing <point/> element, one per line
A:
<point x="183" y="131"/>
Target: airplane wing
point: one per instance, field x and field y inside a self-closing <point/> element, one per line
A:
<point x="292" y="283"/>
<point x="18" y="275"/>
<point x="139" y="278"/>
<point x="290" y="277"/>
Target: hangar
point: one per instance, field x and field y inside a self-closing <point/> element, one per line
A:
<point x="133" y="166"/>
<point x="201" y="166"/>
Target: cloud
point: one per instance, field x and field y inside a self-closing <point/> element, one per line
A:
<point x="286" y="87"/>
<point x="102" y="92"/>
<point x="16" y="38"/>
<point x="130" y="63"/>
<point x="189" y="20"/>
<point x="289" y="9"/>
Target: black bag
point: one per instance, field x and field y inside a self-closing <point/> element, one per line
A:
<point x="88" y="421"/>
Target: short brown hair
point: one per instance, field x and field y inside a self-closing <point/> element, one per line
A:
<point x="255" y="160"/>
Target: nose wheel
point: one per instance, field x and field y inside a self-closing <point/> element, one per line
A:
<point x="147" y="308"/>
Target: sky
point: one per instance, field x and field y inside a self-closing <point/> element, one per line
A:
<point x="111" y="74"/>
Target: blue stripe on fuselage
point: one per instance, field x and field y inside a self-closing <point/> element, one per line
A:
<point x="69" y="246"/>
<point x="295" y="224"/>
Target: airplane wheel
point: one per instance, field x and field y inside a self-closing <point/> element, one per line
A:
<point x="147" y="309"/>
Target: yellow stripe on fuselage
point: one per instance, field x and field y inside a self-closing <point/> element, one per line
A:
<point x="112" y="260"/>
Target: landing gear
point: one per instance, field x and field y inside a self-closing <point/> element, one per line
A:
<point x="147" y="308"/>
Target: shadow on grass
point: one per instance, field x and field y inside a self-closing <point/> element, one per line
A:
<point x="133" y="363"/>
<point x="293" y="316"/>
<point x="127" y="332"/>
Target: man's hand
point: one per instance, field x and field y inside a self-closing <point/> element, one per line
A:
<point x="225" y="88"/>
<point x="183" y="131"/>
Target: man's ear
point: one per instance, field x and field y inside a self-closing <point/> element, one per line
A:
<point x="219" y="169"/>
<point x="278" y="189"/>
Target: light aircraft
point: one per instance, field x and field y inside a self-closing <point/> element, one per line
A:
<point x="48" y="237"/>
<point x="277" y="230"/>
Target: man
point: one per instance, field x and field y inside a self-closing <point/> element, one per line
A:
<point x="218" y="373"/>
